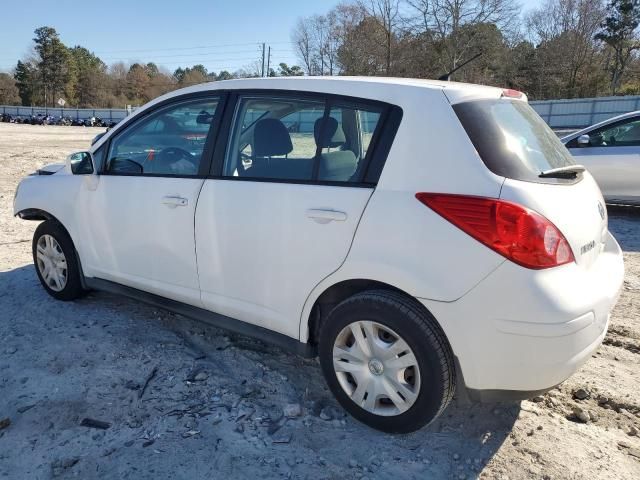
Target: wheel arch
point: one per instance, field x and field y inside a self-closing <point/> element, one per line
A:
<point x="330" y="296"/>
<point x="37" y="214"/>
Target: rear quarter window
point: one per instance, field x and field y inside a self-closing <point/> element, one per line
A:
<point x="512" y="140"/>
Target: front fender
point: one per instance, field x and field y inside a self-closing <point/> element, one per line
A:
<point x="41" y="197"/>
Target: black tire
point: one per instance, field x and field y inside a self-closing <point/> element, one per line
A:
<point x="419" y="329"/>
<point x="73" y="287"/>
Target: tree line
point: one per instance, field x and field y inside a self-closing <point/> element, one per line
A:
<point x="562" y="49"/>
<point x="83" y="80"/>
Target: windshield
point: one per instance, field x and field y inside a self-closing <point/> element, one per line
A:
<point x="512" y="140"/>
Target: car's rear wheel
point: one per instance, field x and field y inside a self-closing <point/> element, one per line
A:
<point x="387" y="361"/>
<point x="55" y="261"/>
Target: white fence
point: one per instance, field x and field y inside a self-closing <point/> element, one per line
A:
<point x="582" y="112"/>
<point x="110" y="114"/>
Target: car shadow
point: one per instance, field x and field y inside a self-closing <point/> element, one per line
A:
<point x="90" y="357"/>
<point x="624" y="224"/>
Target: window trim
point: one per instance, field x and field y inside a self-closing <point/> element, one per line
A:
<point x="573" y="143"/>
<point x="377" y="152"/>
<point x="207" y="152"/>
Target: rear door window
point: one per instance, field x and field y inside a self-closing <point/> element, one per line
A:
<point x="511" y="138"/>
<point x="299" y="139"/>
<point x="273" y="138"/>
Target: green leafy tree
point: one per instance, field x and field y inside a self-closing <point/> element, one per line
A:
<point x="88" y="78"/>
<point x="193" y="75"/>
<point x="285" y="70"/>
<point x="179" y="73"/>
<point x="53" y="63"/>
<point x="200" y="69"/>
<point x="9" y="94"/>
<point x="619" y="31"/>
<point x="27" y="80"/>
<point x="152" y="70"/>
<point x="224" y="75"/>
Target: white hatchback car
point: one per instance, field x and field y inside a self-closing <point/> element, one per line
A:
<point x="420" y="237"/>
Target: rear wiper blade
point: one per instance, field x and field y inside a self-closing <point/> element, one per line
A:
<point x="570" y="171"/>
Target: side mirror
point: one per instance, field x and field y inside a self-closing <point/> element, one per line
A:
<point x="124" y="165"/>
<point x="584" y="141"/>
<point x="80" y="163"/>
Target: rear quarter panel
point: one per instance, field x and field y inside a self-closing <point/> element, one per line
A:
<point x="400" y="241"/>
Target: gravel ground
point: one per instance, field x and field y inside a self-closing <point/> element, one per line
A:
<point x="214" y="403"/>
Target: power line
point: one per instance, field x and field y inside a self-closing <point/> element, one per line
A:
<point x="134" y="51"/>
<point x="197" y="55"/>
<point x="192" y="48"/>
<point x="195" y="60"/>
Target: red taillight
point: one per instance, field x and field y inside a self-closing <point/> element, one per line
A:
<point x="519" y="234"/>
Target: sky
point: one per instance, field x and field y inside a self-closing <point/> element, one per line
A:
<point x="221" y="34"/>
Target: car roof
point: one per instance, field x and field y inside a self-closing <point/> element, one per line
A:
<point x="302" y="81"/>
<point x="374" y="88"/>
<point x="455" y="91"/>
<point x="604" y="123"/>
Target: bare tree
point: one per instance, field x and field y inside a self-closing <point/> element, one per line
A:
<point x="316" y="40"/>
<point x="302" y="38"/>
<point x="564" y="31"/>
<point x="387" y="12"/>
<point x="344" y="20"/>
<point x="332" y="41"/>
<point x="445" y="19"/>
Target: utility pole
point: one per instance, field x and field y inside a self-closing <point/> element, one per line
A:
<point x="269" y="62"/>
<point x="263" y="52"/>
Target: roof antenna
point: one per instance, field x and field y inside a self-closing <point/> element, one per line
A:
<point x="447" y="76"/>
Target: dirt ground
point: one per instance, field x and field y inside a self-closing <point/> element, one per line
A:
<point x="214" y="406"/>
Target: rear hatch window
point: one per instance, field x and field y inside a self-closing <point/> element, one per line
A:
<point x="512" y="140"/>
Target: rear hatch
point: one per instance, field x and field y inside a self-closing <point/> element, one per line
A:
<point x="540" y="173"/>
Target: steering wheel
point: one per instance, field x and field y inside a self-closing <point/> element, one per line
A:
<point x="167" y="160"/>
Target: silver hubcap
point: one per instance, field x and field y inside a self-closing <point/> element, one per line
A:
<point x="52" y="263"/>
<point x="376" y="368"/>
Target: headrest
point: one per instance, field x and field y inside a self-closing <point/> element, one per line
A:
<point x="271" y="137"/>
<point x="328" y="134"/>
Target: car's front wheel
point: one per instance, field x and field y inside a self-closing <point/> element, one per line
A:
<point x="387" y="361"/>
<point x="55" y="261"/>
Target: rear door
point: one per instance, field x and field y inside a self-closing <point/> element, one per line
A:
<point x="514" y="142"/>
<point x="613" y="158"/>
<point x="285" y="204"/>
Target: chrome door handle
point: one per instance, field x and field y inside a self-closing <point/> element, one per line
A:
<point x="325" y="215"/>
<point x="173" y="201"/>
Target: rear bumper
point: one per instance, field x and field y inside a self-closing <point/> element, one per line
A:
<point x="521" y="332"/>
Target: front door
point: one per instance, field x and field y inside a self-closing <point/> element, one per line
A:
<point x="141" y="227"/>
